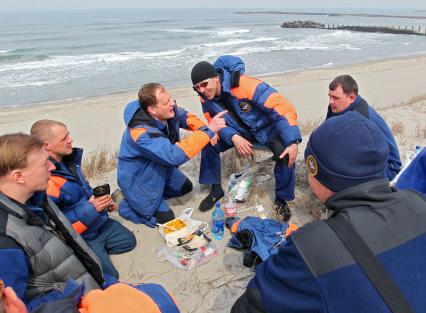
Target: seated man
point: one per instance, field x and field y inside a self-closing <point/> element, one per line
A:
<point x="41" y="256"/>
<point x="319" y="269"/>
<point x="256" y="112"/>
<point x="151" y="151"/>
<point x="343" y="97"/>
<point x="73" y="195"/>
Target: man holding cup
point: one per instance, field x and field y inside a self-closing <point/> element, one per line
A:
<point x="86" y="209"/>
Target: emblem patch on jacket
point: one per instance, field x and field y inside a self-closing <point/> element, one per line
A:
<point x="245" y="106"/>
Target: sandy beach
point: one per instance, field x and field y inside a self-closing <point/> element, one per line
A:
<point x="394" y="87"/>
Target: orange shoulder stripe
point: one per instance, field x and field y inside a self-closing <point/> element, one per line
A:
<point x="194" y="143"/>
<point x="194" y="122"/>
<point x="284" y="107"/>
<point x="234" y="228"/>
<point x="136" y="132"/>
<point x="118" y="298"/>
<point x="208" y="116"/>
<point x="291" y="228"/>
<point x="79" y="227"/>
<point x="247" y="92"/>
<point x="54" y="186"/>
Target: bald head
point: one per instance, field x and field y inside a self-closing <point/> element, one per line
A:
<point x="55" y="136"/>
<point x="44" y="129"/>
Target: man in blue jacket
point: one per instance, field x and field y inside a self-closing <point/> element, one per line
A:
<point x="73" y="195"/>
<point x="343" y="97"/>
<point x="256" y="113"/>
<point x="42" y="257"/>
<point x="152" y="149"/>
<point x="313" y="271"/>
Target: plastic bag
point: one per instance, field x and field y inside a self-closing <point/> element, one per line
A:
<point x="190" y="226"/>
<point x="187" y="259"/>
<point x="238" y="186"/>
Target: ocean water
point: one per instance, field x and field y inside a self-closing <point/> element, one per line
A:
<point x="49" y="56"/>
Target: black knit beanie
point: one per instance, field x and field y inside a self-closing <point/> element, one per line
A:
<point x="202" y="71"/>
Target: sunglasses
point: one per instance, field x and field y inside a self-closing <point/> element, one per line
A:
<point x="202" y="84"/>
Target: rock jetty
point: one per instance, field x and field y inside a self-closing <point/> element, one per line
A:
<point x="302" y="24"/>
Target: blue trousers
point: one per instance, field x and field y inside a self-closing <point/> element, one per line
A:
<point x="210" y="170"/>
<point x="113" y="238"/>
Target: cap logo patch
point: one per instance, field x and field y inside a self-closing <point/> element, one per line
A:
<point x="312" y="165"/>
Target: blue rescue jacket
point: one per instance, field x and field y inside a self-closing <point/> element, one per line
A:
<point x="414" y="177"/>
<point x="148" y="149"/>
<point x="314" y="272"/>
<point x="361" y="106"/>
<point x="70" y="191"/>
<point x="260" y="108"/>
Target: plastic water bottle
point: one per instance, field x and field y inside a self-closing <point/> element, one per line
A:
<point x="418" y="149"/>
<point x="218" y="222"/>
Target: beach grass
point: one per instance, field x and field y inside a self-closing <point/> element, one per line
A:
<point x="100" y="161"/>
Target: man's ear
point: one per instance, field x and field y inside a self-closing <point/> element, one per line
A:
<point x="47" y="146"/>
<point x="17" y="176"/>
<point x="352" y="97"/>
<point x="151" y="111"/>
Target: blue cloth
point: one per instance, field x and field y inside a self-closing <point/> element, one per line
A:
<point x="345" y="151"/>
<point x="414" y="176"/>
<point x="313" y="271"/>
<point x="148" y="160"/>
<point x="361" y="106"/>
<point x="252" y="103"/>
<point x="72" y="195"/>
<point x="113" y="238"/>
<point x="266" y="234"/>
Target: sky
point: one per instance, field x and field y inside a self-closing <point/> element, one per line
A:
<point x="246" y="4"/>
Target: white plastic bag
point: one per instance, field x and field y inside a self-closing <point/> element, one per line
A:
<point x="190" y="226"/>
<point x="185" y="259"/>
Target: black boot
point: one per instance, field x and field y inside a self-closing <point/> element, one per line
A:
<point x="215" y="194"/>
<point x="282" y="209"/>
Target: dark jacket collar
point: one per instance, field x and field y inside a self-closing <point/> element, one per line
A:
<point x="362" y="194"/>
<point x="359" y="105"/>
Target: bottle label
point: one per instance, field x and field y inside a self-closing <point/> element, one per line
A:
<point x="218" y="226"/>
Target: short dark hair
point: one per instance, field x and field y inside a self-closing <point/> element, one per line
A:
<point x="148" y="95"/>
<point x="347" y="83"/>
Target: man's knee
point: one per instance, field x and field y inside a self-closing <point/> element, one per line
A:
<point x="186" y="187"/>
<point x="164" y="217"/>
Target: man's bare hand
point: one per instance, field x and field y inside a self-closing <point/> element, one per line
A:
<point x="291" y="150"/>
<point x="218" y="122"/>
<point x="101" y="203"/>
<point x="11" y="302"/>
<point x="243" y="146"/>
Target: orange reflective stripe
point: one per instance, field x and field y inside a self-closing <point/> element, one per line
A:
<point x="246" y="89"/>
<point x="54" y="186"/>
<point x="234" y="227"/>
<point x="208" y="117"/>
<point x="285" y="108"/>
<point x="136" y="132"/>
<point x="291" y="228"/>
<point x="194" y="143"/>
<point x="118" y="298"/>
<point x="79" y="227"/>
<point x="194" y="122"/>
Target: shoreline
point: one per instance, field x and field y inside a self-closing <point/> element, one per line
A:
<point x="89" y="98"/>
<point x="96" y="122"/>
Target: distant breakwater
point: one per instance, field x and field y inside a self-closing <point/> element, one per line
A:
<point x="367" y="29"/>
<point x="334" y="14"/>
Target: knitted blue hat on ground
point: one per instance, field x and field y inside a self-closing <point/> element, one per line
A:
<point x="345" y="151"/>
